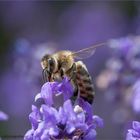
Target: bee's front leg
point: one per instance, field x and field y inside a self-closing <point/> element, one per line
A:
<point x="62" y="73"/>
<point x="46" y="76"/>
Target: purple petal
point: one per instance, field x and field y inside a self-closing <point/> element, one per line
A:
<point x="70" y="127"/>
<point x="50" y="114"/>
<point x="98" y="121"/>
<point x="68" y="108"/>
<point x="3" y="116"/>
<point x="87" y="108"/>
<point x="51" y="88"/>
<point x="46" y="93"/>
<point x="136" y="97"/>
<point x="38" y="132"/>
<point x="136" y="126"/>
<point x="34" y="108"/>
<point x="53" y="131"/>
<point x="90" y="135"/>
<point x="130" y="137"/>
<point x="33" y="121"/>
<point x="34" y="117"/>
<point x="62" y="116"/>
<point x="134" y="133"/>
<point x="38" y="96"/>
<point x="81" y="126"/>
<point x="81" y="117"/>
<point x="45" y="135"/>
<point x="75" y="138"/>
<point x="29" y="135"/>
<point x="66" y="88"/>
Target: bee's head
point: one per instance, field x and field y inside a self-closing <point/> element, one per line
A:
<point x="48" y="62"/>
<point x="48" y="65"/>
<point x="44" y="61"/>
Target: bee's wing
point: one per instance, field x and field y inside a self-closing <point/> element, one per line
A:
<point x="87" y="52"/>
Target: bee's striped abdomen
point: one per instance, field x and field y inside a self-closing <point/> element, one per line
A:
<point x="84" y="82"/>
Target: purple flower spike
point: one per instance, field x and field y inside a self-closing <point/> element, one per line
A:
<point x="65" y="122"/>
<point x="3" y="116"/>
<point x="120" y="79"/>
<point x="134" y="133"/>
<point x="136" y="126"/>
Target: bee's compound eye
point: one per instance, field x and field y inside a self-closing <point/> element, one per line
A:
<point x="44" y="64"/>
<point x="51" y="64"/>
<point x="44" y="61"/>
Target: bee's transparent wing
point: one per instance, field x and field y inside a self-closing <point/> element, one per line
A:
<point x="83" y="54"/>
<point x="87" y="52"/>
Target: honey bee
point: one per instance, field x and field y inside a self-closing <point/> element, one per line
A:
<point x="60" y="64"/>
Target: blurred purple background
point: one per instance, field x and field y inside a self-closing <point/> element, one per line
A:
<point x="30" y="29"/>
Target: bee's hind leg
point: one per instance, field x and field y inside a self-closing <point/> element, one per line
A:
<point x="74" y="82"/>
<point x="73" y="72"/>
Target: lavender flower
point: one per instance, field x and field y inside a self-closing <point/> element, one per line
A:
<point x="136" y="96"/>
<point x="134" y="133"/>
<point x="3" y="116"/>
<point x="122" y="72"/>
<point x="66" y="122"/>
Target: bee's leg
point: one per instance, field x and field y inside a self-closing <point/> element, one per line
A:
<point x="62" y="73"/>
<point x="75" y="94"/>
<point x="46" y="76"/>
<point x="43" y="76"/>
<point x="62" y="69"/>
<point x="74" y="81"/>
<point x="73" y="72"/>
